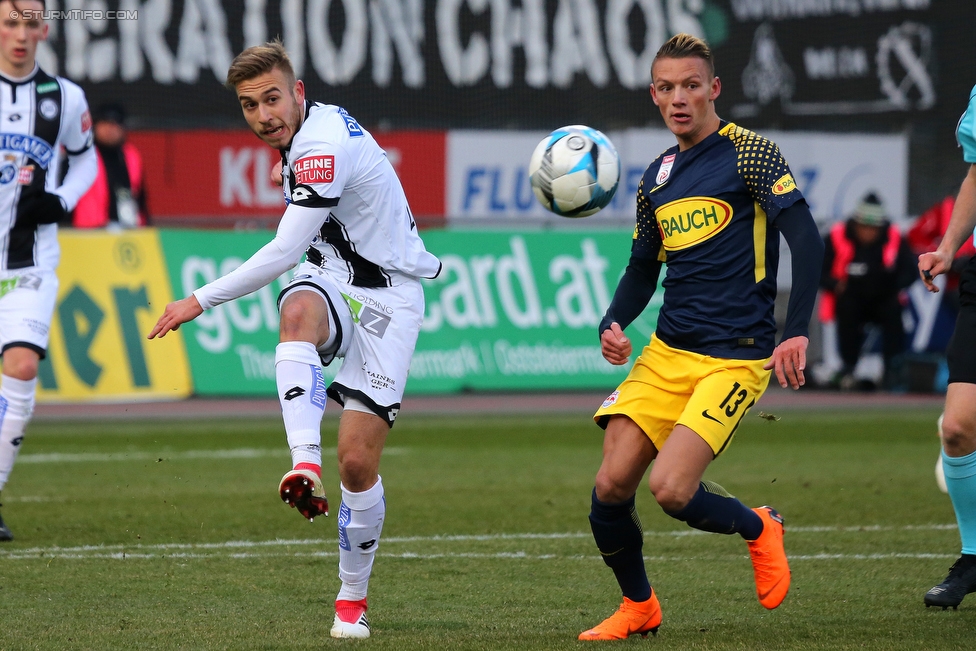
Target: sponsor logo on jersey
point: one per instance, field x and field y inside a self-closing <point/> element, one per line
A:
<point x="611" y="399"/>
<point x="664" y="173"/>
<point x="48" y="87"/>
<point x="355" y="131"/>
<point x="314" y="169"/>
<point x="33" y="146"/>
<point x="14" y="117"/>
<point x="48" y="108"/>
<point x="690" y="221"/>
<point x="7" y="173"/>
<point x="785" y="185"/>
<point x="25" y="175"/>
<point x="86" y="121"/>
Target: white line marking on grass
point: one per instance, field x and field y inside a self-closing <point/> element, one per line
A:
<point x="230" y="549"/>
<point x="238" y="453"/>
<point x="519" y="555"/>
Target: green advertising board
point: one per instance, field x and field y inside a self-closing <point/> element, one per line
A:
<point x="510" y="311"/>
<point x="520" y="310"/>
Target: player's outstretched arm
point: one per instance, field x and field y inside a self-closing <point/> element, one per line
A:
<point x="176" y="314"/>
<point x="961" y="225"/>
<point x="615" y="345"/>
<point x="789" y="360"/>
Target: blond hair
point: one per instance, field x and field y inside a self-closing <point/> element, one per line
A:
<point x="258" y="60"/>
<point x="682" y="46"/>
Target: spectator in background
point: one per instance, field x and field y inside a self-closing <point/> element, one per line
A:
<point x="867" y="264"/>
<point x="118" y="196"/>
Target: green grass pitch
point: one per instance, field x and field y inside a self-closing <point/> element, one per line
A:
<point x="170" y="535"/>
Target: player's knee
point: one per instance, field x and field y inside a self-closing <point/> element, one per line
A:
<point x="958" y="435"/>
<point x="357" y="471"/>
<point x="20" y="363"/>
<point x="609" y="490"/>
<point x="669" y="495"/>
<point x="292" y="317"/>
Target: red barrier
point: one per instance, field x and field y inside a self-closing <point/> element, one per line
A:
<point x="222" y="177"/>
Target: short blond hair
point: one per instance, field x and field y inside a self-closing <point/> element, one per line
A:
<point x="258" y="60"/>
<point x="683" y="46"/>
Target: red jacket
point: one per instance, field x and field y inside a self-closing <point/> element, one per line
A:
<point x="843" y="254"/>
<point x="92" y="209"/>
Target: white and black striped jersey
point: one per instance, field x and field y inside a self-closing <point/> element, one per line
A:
<point x="39" y="115"/>
<point x="368" y="237"/>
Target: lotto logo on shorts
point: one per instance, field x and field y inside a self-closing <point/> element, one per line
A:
<point x="314" y="169"/>
<point x="611" y="399"/>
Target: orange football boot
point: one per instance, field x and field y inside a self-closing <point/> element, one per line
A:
<point x="769" y="564"/>
<point x="632" y="618"/>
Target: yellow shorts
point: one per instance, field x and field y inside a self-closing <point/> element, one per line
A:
<point x="668" y="386"/>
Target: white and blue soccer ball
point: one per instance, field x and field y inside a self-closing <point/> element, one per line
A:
<point x="574" y="171"/>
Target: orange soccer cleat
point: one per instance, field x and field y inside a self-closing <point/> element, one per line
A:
<point x="769" y="564"/>
<point x="303" y="490"/>
<point x="632" y="618"/>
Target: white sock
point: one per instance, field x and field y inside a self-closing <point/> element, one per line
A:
<point x="16" y="408"/>
<point x="360" y="524"/>
<point x="301" y="391"/>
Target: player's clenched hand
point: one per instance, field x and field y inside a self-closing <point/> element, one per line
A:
<point x="276" y="175"/>
<point x="788" y="361"/>
<point x="176" y="314"/>
<point x="615" y="345"/>
<point x="931" y="265"/>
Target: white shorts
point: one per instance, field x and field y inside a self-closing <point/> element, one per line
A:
<point x="27" y="299"/>
<point x="377" y="332"/>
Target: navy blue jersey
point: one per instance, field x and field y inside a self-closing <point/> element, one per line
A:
<point x="709" y="212"/>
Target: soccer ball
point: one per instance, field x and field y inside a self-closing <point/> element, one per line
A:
<point x="574" y="171"/>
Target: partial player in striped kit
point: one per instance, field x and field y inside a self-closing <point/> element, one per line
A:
<point x="40" y="115"/>
<point x="357" y="297"/>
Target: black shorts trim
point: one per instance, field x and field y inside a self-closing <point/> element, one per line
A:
<point x="24" y="344"/>
<point x="340" y="392"/>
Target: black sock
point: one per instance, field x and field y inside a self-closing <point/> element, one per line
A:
<point x="713" y="509"/>
<point x="620" y="539"/>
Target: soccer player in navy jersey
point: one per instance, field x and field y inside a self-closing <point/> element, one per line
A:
<point x="712" y="208"/>
<point x="958" y="425"/>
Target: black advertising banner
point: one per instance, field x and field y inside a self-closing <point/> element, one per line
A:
<point x="864" y="65"/>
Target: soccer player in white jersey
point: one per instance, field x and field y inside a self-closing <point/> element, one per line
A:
<point x="39" y="115"/>
<point x="357" y="296"/>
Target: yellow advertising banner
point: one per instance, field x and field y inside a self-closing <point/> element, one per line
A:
<point x="113" y="286"/>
